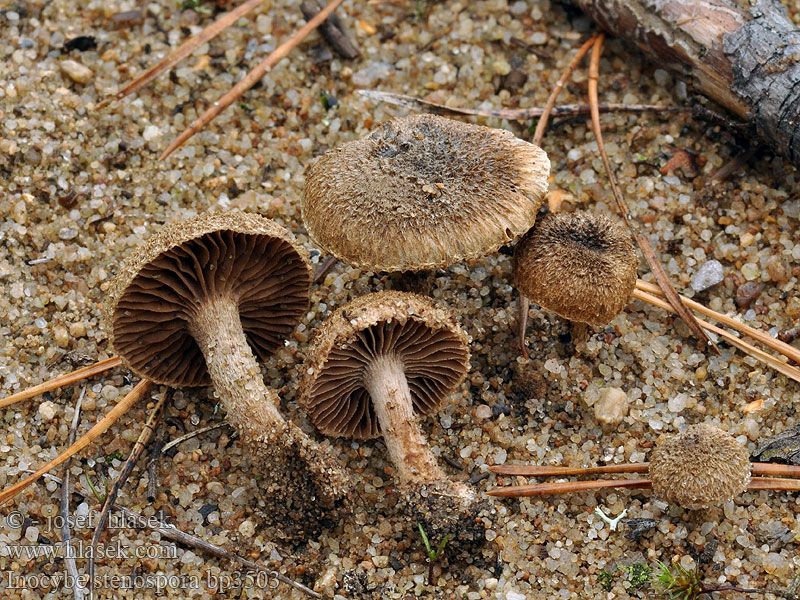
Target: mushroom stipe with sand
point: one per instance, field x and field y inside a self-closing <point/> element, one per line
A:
<point x="701" y="467"/>
<point x="375" y="364"/>
<point x="191" y="306"/>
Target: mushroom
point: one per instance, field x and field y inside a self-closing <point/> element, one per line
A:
<point x="190" y="306"/>
<point x="701" y="467"/>
<point x="423" y="192"/>
<point x="580" y="265"/>
<point x="374" y="365"/>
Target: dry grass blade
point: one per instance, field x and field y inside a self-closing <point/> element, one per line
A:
<point x="252" y="77"/>
<point x="78" y="590"/>
<point x="773" y="483"/>
<point x="758" y="335"/>
<point x="62" y="380"/>
<point x="641" y="239"/>
<point x="781" y="367"/>
<point x="192" y="434"/>
<point x="512" y="114"/>
<point x="111" y="498"/>
<point x="561" y="487"/>
<point x="184" y="50"/>
<point x="541" y="126"/>
<point x="100" y="427"/>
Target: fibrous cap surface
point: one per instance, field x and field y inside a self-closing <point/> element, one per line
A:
<point x="581" y="266"/>
<point x="423" y="192"/>
<point x="700" y="467"/>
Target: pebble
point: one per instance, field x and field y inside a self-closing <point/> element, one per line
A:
<point x="612" y="405"/>
<point x="709" y="274"/>
<point x="47" y="410"/>
<point x="750" y="271"/>
<point x="77" y="330"/>
<point x="150" y="133"/>
<point x="747" y="293"/>
<point x="247" y="528"/>
<point x="61" y="336"/>
<point x="368" y="76"/>
<point x="380" y="561"/>
<point x="76" y="71"/>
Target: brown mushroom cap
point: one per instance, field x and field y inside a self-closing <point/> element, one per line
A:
<point x="581" y="266"/>
<point x="423" y="192"/>
<point x="161" y="284"/>
<point x="429" y="342"/>
<point x="700" y="467"/>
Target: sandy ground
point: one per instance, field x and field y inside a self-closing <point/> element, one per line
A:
<point x="81" y="187"/>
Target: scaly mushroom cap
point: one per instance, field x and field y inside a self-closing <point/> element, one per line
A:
<point x="423" y="192"/>
<point x="159" y="286"/>
<point x="432" y="346"/>
<point x="581" y="266"/>
<point x="699" y="468"/>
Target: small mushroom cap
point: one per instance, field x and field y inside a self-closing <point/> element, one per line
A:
<point x="581" y="266"/>
<point x="423" y="192"/>
<point x="700" y="467"/>
<point x="432" y="346"/>
<point x="160" y="285"/>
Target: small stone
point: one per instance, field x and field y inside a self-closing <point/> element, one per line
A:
<point x="380" y="562"/>
<point x="77" y="330"/>
<point x="32" y="533"/>
<point x="150" y="133"/>
<point x="747" y="293"/>
<point x="76" y="71"/>
<point x="677" y="403"/>
<point x="61" y="336"/>
<point x="612" y="405"/>
<point x="483" y="411"/>
<point x="370" y="75"/>
<point x="501" y="67"/>
<point x="513" y="595"/>
<point x="777" y="270"/>
<point x="709" y="274"/>
<point x="47" y="410"/>
<point x="247" y="528"/>
<point x="67" y="233"/>
<point x="750" y="271"/>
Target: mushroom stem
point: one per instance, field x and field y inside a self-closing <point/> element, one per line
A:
<point x="385" y="380"/>
<point x="251" y="406"/>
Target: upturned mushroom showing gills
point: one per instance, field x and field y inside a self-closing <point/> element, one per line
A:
<point x="701" y="467"/>
<point x="580" y="265"/>
<point x="191" y="305"/>
<point x="374" y="365"/>
<point x="423" y="192"/>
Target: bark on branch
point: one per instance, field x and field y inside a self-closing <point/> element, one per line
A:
<point x="746" y="58"/>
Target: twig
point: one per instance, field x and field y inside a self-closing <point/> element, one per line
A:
<point x="324" y="268"/>
<point x="190" y="435"/>
<point x="100" y="427"/>
<point x="781" y="367"/>
<point x="760" y="336"/>
<point x="152" y="471"/>
<point x="251" y="78"/>
<point x="512" y="114"/>
<point x="69" y="555"/>
<point x="332" y="30"/>
<point x="170" y="532"/>
<point x="184" y="50"/>
<point x="62" y="380"/>
<point x="538" y="135"/>
<point x="641" y="239"/>
<point x="736" y="163"/>
<point x="111" y="497"/>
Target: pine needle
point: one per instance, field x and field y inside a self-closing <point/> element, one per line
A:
<point x="251" y="78"/>
<point x="184" y="50"/>
<point x="62" y="380"/>
<point x="100" y="427"/>
<point x="641" y="239"/>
